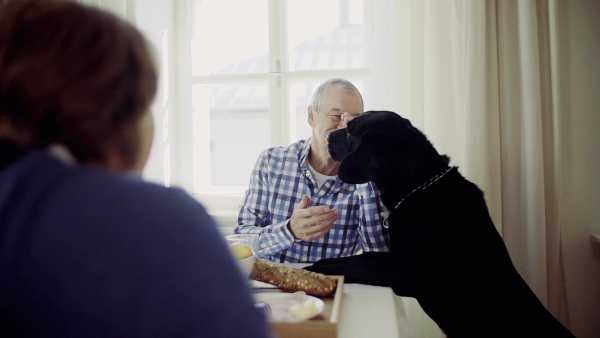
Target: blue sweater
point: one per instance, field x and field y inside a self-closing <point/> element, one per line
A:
<point x="88" y="253"/>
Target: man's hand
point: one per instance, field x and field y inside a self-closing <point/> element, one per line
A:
<point x="308" y="224"/>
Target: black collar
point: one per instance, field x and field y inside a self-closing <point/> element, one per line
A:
<point x="421" y="187"/>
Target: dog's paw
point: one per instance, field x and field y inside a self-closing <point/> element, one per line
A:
<point x="370" y="268"/>
<point x="345" y="266"/>
<point x="334" y="261"/>
<point x="326" y="268"/>
<point x="367" y="256"/>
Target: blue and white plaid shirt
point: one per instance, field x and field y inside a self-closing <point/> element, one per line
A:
<point x="279" y="180"/>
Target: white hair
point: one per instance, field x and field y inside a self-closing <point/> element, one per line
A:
<point x="321" y="92"/>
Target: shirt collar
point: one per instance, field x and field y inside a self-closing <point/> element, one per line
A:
<point x="62" y="153"/>
<point x="303" y="159"/>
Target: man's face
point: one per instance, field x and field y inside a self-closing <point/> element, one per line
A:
<point x="328" y="118"/>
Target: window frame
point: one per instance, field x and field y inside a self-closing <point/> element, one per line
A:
<point x="225" y="201"/>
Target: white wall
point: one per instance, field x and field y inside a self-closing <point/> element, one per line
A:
<point x="580" y="142"/>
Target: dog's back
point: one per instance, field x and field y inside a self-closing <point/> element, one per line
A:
<point x="469" y="285"/>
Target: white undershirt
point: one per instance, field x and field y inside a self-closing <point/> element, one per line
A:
<point x="319" y="178"/>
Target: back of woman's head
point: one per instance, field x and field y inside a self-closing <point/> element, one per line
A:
<point x="72" y="75"/>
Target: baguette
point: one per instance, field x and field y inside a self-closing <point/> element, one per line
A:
<point x="293" y="279"/>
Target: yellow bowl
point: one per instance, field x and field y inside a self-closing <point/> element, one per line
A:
<point x="246" y="264"/>
<point x="240" y="245"/>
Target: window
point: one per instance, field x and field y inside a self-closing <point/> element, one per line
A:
<point x="247" y="70"/>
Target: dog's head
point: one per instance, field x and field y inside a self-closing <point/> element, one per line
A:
<point x="380" y="145"/>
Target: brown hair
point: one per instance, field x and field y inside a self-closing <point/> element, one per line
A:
<point x="73" y="75"/>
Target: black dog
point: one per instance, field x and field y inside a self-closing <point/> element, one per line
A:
<point x="444" y="248"/>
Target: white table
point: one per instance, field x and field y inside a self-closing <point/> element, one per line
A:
<point x="367" y="311"/>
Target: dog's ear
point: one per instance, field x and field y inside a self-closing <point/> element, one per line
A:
<point x="356" y="167"/>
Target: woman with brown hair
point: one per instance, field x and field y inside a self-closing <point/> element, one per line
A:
<point x="86" y="247"/>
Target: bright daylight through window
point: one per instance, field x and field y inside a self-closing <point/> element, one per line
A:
<point x="254" y="66"/>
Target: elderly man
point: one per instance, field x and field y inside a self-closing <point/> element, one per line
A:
<point x="295" y="200"/>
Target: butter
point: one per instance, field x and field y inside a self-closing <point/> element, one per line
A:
<point x="304" y="310"/>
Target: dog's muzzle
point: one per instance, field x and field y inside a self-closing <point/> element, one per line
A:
<point x="329" y="150"/>
<point x="331" y="145"/>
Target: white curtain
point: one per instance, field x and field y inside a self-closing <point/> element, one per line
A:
<point x="480" y="78"/>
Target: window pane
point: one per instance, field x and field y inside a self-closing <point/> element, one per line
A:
<point x="300" y="94"/>
<point x="325" y="34"/>
<point x="230" y="37"/>
<point x="229" y="133"/>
